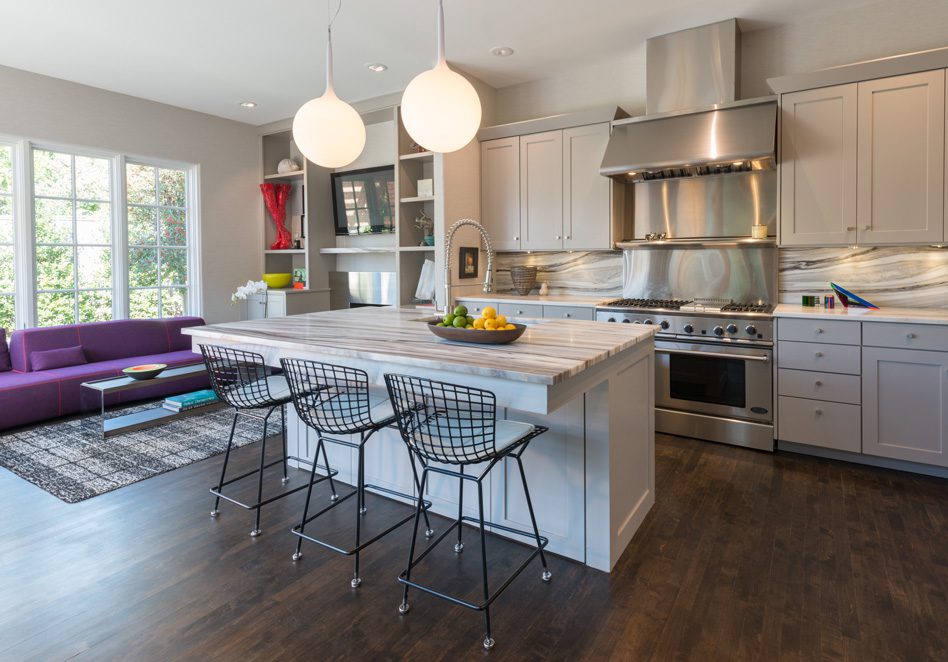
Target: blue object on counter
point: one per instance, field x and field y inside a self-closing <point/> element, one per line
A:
<point x="847" y="298"/>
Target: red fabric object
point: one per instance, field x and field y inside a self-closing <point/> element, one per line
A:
<point x="275" y="197"/>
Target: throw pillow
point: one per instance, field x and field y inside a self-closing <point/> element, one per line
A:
<point x="5" y="364"/>
<point x="57" y="358"/>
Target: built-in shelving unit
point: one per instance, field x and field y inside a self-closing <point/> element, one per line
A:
<point x="296" y="174"/>
<point x="287" y="251"/>
<point x="417" y="198"/>
<point x="416" y="155"/>
<point x="346" y="250"/>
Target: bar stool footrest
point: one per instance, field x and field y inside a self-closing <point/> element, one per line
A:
<point x="253" y="506"/>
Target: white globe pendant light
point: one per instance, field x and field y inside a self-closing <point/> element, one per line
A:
<point x="328" y="131"/>
<point x="440" y="108"/>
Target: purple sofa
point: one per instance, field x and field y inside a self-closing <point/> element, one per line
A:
<point x="28" y="395"/>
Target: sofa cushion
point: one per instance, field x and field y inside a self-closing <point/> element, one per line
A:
<point x="179" y="341"/>
<point x="5" y="364"/>
<point x="25" y="341"/>
<point x="62" y="357"/>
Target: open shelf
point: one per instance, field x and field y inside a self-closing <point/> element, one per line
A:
<point x="420" y="249"/>
<point x="418" y="198"/>
<point x="416" y="155"/>
<point x="287" y="251"/>
<point x="285" y="175"/>
<point x="352" y="251"/>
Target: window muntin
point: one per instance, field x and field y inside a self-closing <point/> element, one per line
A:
<point x="7" y="267"/>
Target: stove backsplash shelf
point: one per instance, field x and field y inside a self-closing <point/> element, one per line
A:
<point x="728" y="272"/>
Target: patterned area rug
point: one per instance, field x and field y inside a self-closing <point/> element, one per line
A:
<point x="72" y="461"/>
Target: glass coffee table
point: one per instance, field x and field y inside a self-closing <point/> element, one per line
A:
<point x="147" y="417"/>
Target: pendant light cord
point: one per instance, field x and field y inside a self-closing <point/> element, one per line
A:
<point x="329" y="22"/>
<point x="441" y="58"/>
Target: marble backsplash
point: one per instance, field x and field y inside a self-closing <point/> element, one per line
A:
<point x="890" y="276"/>
<point x="587" y="273"/>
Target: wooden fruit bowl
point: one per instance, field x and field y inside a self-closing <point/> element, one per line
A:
<point x="476" y="336"/>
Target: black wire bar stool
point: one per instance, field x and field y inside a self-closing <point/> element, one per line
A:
<point x="457" y="425"/>
<point x="243" y="380"/>
<point x="334" y="400"/>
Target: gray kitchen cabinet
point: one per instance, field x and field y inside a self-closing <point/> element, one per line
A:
<point x="500" y="191"/>
<point x="901" y="165"/>
<point x="541" y="190"/>
<point x="818" y="167"/>
<point x="281" y="303"/>
<point x="819" y="423"/>
<point x="905" y="404"/>
<point x="517" y="310"/>
<point x="586" y="193"/>
<point x="587" y="313"/>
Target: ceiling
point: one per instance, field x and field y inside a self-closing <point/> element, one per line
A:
<point x="209" y="55"/>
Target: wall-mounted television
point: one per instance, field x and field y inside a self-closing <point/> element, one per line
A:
<point x="363" y="201"/>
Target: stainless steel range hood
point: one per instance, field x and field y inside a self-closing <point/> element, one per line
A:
<point x="694" y="125"/>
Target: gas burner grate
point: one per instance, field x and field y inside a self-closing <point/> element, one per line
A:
<point x="667" y="304"/>
<point x="746" y="308"/>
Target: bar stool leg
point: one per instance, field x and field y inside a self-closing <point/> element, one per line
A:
<point x="547" y="575"/>
<point x="488" y="640"/>
<point x="429" y="532"/>
<point x="220" y="485"/>
<point x="298" y="554"/>
<point x="360" y="505"/>
<point x="286" y="478"/>
<point x="459" y="546"/>
<point x="263" y="458"/>
<point x="332" y="486"/>
<point x="404" y="607"/>
<point x="361" y="496"/>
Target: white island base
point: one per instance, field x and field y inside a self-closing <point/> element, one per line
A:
<point x="591" y="476"/>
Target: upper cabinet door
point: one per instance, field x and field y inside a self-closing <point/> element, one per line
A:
<point x="818" y="167"/>
<point x="500" y="191"/>
<point x="586" y="204"/>
<point x="541" y="191"/>
<point x="902" y="159"/>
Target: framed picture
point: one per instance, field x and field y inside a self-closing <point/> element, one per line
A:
<point x="467" y="262"/>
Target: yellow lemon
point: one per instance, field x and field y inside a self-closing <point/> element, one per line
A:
<point x="479" y="323"/>
<point x="490" y="325"/>
<point x="501" y="321"/>
<point x="489" y="313"/>
<point x="510" y="327"/>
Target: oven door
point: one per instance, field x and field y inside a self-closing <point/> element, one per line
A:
<point x="715" y="379"/>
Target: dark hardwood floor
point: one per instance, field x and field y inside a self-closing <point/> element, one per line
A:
<point x="746" y="555"/>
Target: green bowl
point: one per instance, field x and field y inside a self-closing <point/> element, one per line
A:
<point x="278" y="281"/>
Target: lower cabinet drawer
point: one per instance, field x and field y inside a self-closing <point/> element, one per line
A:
<point x="475" y="308"/>
<point x="569" y="312"/>
<point x="819" y="386"/>
<point x="820" y="357"/>
<point x="820" y="423"/>
<point x="520" y="310"/>
<point x="906" y="336"/>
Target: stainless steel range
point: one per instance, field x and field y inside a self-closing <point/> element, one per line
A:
<point x="713" y="371"/>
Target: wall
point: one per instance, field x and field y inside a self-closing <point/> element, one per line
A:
<point x="828" y="39"/>
<point x="52" y="110"/>
<point x="891" y="276"/>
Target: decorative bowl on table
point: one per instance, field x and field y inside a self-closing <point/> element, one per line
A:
<point x="147" y="371"/>
<point x="476" y="336"/>
<point x="277" y="281"/>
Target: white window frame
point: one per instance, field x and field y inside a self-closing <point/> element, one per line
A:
<point x="23" y="224"/>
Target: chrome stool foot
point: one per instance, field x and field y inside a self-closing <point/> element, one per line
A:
<point x="547" y="575"/>
<point x="488" y="643"/>
<point x="363" y="510"/>
<point x="215" y="513"/>
<point x="403" y="608"/>
<point x="334" y="497"/>
<point x="429" y="533"/>
<point x="255" y="533"/>
<point x="297" y="556"/>
<point x="285" y="480"/>
<point x="458" y="547"/>
<point x="356" y="582"/>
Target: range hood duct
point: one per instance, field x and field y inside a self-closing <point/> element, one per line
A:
<point x="693" y="124"/>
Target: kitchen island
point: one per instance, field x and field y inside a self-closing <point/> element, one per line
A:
<point x="592" y="476"/>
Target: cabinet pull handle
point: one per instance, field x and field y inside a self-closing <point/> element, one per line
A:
<point x="567" y="237"/>
<point x="520" y="312"/>
<point x="818" y="382"/>
<point x="567" y="315"/>
<point x="866" y="228"/>
<point x="850" y="228"/>
<point x="558" y="237"/>
<point x="819" y="330"/>
<point x="818" y="354"/>
<point x="517" y="238"/>
<point x="909" y="335"/>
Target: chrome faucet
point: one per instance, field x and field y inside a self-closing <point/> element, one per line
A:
<point x="488" y="274"/>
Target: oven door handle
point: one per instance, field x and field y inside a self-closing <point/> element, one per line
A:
<point x="690" y="352"/>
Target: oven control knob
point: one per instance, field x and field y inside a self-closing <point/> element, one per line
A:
<point x="637" y="322"/>
<point x="626" y="321"/>
<point x="688" y="328"/>
<point x="751" y="329"/>
<point x="732" y="328"/>
<point x="649" y="322"/>
<point x="664" y="324"/>
<point x="611" y="319"/>
<point x="719" y="330"/>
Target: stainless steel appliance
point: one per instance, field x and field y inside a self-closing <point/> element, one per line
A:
<point x="713" y="366"/>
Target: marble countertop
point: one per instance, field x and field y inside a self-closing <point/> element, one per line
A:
<point x="885" y="314"/>
<point x="551" y="350"/>
<point x="548" y="300"/>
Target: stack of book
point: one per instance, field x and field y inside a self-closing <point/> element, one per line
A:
<point x="186" y="401"/>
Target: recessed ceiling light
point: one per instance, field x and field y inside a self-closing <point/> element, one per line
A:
<point x="248" y="104"/>
<point x="377" y="67"/>
<point x="502" y="51"/>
